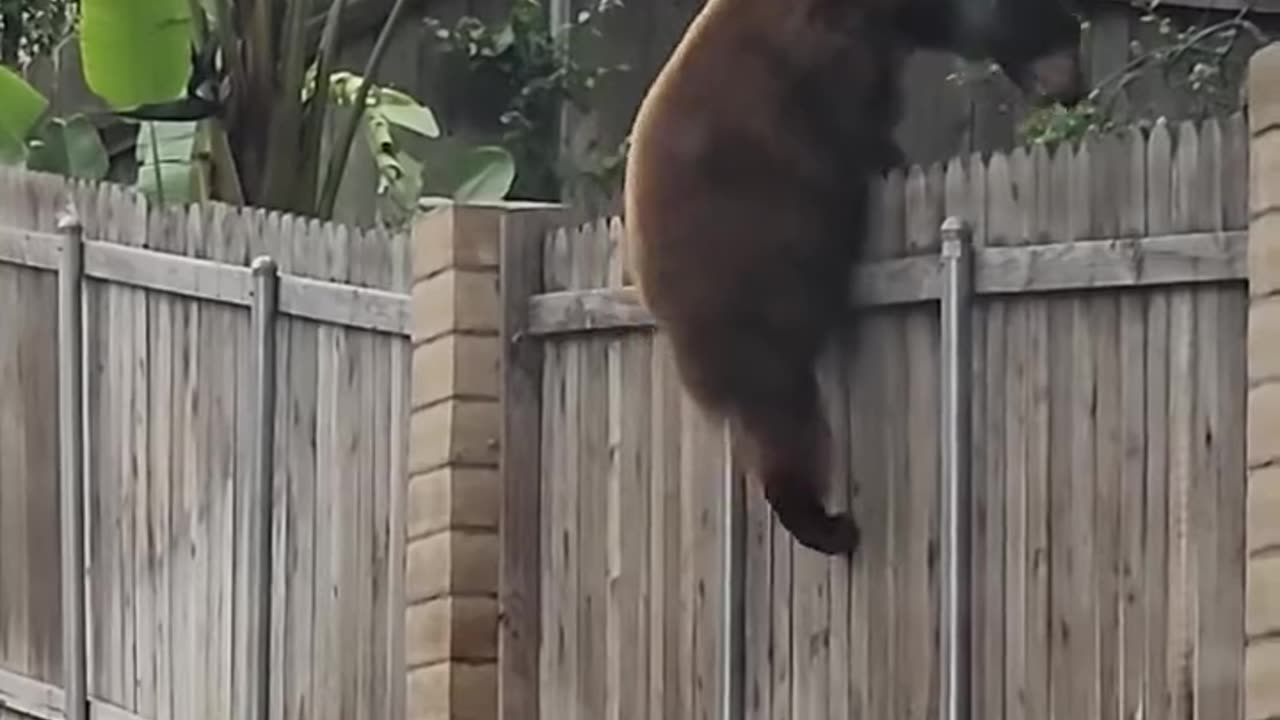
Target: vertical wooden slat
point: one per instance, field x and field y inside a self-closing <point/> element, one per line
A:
<point x="551" y="649"/>
<point x="164" y="224"/>
<point x="1159" y="220"/>
<point x="225" y="243"/>
<point x="360" y="576"/>
<point x="1233" y="364"/>
<point x="589" y="258"/>
<point x="835" y="389"/>
<point x="997" y="647"/>
<point x="1106" y="178"/>
<point x="398" y="448"/>
<point x="1204" y="532"/>
<point x="886" y="333"/>
<point x="666" y="535"/>
<point x="102" y="391"/>
<point x="283" y="661"/>
<point x="302" y="422"/>
<point x="1082" y="631"/>
<point x="1032" y="175"/>
<point x="994" y="330"/>
<point x="628" y="509"/>
<point x="919" y="531"/>
<point x="757" y="631"/>
<point x="1130" y="165"/>
<point x="1062" y="470"/>
<point x="1181" y="428"/>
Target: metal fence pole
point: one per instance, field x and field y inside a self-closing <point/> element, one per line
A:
<point x="956" y="358"/>
<point x="732" y="609"/>
<point x="262" y="318"/>
<point x="71" y="463"/>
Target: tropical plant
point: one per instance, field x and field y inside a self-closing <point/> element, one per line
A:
<point x="28" y="137"/>
<point x="233" y="104"/>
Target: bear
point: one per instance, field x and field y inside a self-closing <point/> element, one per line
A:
<point x="745" y="200"/>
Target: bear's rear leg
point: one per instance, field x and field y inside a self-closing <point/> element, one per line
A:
<point x="767" y="389"/>
<point x="791" y="464"/>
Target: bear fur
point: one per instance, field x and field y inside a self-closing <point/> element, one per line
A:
<point x="746" y="203"/>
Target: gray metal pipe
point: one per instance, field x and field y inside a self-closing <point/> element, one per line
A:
<point x="956" y="360"/>
<point x="71" y="463"/>
<point x="262" y="318"/>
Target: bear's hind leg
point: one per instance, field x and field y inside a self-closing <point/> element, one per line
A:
<point x="765" y="385"/>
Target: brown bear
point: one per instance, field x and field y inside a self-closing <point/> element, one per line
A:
<point x="746" y="199"/>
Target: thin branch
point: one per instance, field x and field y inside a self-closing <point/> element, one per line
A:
<point x="342" y="148"/>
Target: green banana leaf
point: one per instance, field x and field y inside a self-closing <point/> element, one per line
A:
<point x="136" y="52"/>
<point x="70" y="146"/>
<point x="20" y="109"/>
<point x="166" y="171"/>
<point x="488" y="173"/>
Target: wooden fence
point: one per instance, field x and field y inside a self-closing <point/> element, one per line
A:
<point x="1106" y="518"/>
<point x="169" y="394"/>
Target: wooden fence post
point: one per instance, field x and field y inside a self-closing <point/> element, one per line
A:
<point x="1262" y="572"/>
<point x="519" y="578"/>
<point x="71" y="463"/>
<point x="956" y="443"/>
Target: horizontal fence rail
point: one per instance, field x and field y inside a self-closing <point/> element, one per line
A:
<point x="1084" y="265"/>
<point x="308" y="298"/>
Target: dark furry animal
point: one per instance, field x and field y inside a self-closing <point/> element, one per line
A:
<point x="745" y="199"/>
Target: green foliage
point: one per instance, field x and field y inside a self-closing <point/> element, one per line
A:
<point x="278" y="94"/>
<point x="527" y="59"/>
<point x="20" y="109"/>
<point x="1056" y="124"/>
<point x="136" y="52"/>
<point x="167" y="171"/>
<point x="32" y="27"/>
<point x="69" y="146"/>
<point x="474" y="174"/>
<point x="1196" y="60"/>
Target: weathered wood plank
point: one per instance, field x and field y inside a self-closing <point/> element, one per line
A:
<point x="15" y="560"/>
<point x="397" y="439"/>
<point x="209" y="279"/>
<point x="302" y="505"/>
<point x="283" y="561"/>
<point x="1179" y="663"/>
<point x="1132" y="614"/>
<point x="557" y="544"/>
<point x="1159" y="155"/>
<point x="665" y="533"/>
<point x="1105" y="177"/>
<point x="918" y="603"/>
<point x="520" y="574"/>
<point x="26" y="698"/>
<point x="592" y="408"/>
<point x="1062" y="469"/>
<point x="835" y="390"/>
